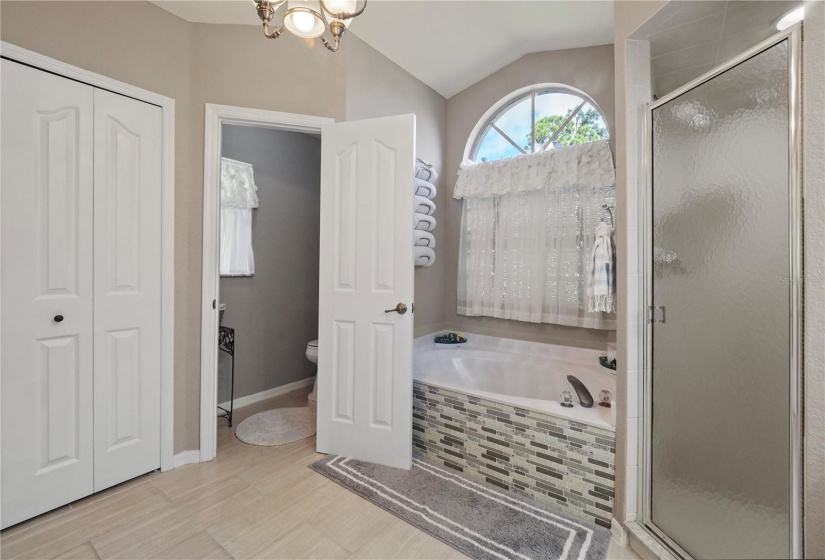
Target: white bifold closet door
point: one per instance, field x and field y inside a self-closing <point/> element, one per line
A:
<point x="80" y="290"/>
<point x="127" y="178"/>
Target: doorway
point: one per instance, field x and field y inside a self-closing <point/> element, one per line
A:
<point x="264" y="323"/>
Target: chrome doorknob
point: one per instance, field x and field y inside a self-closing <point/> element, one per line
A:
<point x="400" y="309"/>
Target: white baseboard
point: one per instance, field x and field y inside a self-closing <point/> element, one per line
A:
<point x="618" y="532"/>
<point x="185" y="458"/>
<point x="269" y="393"/>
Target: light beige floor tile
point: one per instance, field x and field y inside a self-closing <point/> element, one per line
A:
<point x="400" y="541"/>
<point x="271" y="517"/>
<point x="149" y="535"/>
<point x="250" y="502"/>
<point x="28" y="524"/>
<point x="199" y="546"/>
<point x="303" y="542"/>
<point x="78" y="526"/>
<point x="110" y="492"/>
<point x="283" y="471"/>
<point x="83" y="552"/>
<point x="615" y="551"/>
<point x="352" y="521"/>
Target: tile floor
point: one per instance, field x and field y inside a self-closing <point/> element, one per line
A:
<point x="250" y="502"/>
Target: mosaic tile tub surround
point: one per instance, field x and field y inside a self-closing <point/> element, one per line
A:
<point x="558" y="462"/>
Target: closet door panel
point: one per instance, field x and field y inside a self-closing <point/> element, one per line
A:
<point x="47" y="198"/>
<point x="127" y="249"/>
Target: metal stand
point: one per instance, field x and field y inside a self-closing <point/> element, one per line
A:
<point x="226" y="343"/>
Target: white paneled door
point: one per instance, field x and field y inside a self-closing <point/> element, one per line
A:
<point x="46" y="290"/>
<point x="127" y="175"/>
<point x="80" y="290"/>
<point x="365" y="330"/>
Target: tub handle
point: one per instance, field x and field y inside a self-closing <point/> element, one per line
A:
<point x="401" y="308"/>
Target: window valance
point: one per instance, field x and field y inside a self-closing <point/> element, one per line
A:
<point x="238" y="187"/>
<point x="585" y="165"/>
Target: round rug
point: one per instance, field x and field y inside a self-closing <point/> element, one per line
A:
<point x="277" y="427"/>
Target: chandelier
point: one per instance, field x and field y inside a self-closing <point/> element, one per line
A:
<point x="310" y="18"/>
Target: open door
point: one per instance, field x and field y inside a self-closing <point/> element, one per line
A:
<point x="365" y="323"/>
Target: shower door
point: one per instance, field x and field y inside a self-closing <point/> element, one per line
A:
<point x="724" y="285"/>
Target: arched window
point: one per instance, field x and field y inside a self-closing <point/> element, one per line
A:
<point x="541" y="117"/>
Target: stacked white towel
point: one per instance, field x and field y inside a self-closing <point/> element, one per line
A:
<point x="424" y="205"/>
<point x="424" y="170"/>
<point x="424" y="256"/>
<point x="424" y="222"/>
<point x="424" y="239"/>
<point x="424" y="188"/>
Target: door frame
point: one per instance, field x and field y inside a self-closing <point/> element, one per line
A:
<point x="795" y="153"/>
<point x="215" y="117"/>
<point x="167" y="291"/>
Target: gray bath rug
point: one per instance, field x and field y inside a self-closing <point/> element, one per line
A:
<point x="277" y="427"/>
<point x="480" y="520"/>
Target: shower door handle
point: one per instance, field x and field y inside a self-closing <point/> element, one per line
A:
<point x="401" y="308"/>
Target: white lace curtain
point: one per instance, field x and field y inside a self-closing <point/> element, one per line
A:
<point x="525" y="250"/>
<point x="239" y="195"/>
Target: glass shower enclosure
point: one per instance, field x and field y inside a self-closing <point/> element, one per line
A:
<point x="724" y="287"/>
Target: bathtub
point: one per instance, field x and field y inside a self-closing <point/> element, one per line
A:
<point x="522" y="374"/>
<point x="490" y="409"/>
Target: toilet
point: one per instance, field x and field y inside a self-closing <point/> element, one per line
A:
<point x="312" y="356"/>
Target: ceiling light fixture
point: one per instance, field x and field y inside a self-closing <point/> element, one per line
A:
<point x="789" y="18"/>
<point x="310" y="18"/>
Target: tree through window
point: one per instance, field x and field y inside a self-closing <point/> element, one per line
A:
<point x="541" y="119"/>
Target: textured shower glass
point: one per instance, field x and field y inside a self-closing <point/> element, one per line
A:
<point x="721" y="361"/>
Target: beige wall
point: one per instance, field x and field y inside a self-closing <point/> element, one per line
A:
<point x="377" y="87"/>
<point x="588" y="69"/>
<point x="140" y="44"/>
<point x="143" y="45"/>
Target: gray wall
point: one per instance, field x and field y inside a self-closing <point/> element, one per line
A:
<point x="383" y="88"/>
<point x="588" y="69"/>
<point x="275" y="311"/>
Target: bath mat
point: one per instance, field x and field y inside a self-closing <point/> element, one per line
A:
<point x="277" y="427"/>
<point x="478" y="519"/>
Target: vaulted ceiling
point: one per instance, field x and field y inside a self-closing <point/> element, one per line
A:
<point x="447" y="44"/>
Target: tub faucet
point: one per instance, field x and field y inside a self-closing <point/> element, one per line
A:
<point x="585" y="398"/>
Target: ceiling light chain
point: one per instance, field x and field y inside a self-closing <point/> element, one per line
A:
<point x="306" y="18"/>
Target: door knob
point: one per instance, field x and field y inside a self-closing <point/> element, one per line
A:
<point x="58" y="318"/>
<point x="400" y="309"/>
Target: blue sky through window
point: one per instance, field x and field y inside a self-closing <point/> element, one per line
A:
<point x="516" y="121"/>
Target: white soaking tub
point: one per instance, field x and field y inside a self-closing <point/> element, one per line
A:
<point x="520" y="374"/>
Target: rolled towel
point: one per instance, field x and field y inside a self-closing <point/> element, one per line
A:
<point x="424" y="256"/>
<point x="424" y="170"/>
<point x="424" y="222"/>
<point x="424" y="205"/>
<point x="423" y="239"/>
<point x="425" y="189"/>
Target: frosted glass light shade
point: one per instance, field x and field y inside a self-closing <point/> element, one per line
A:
<point x="789" y="18"/>
<point x="302" y="23"/>
<point x="338" y="7"/>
